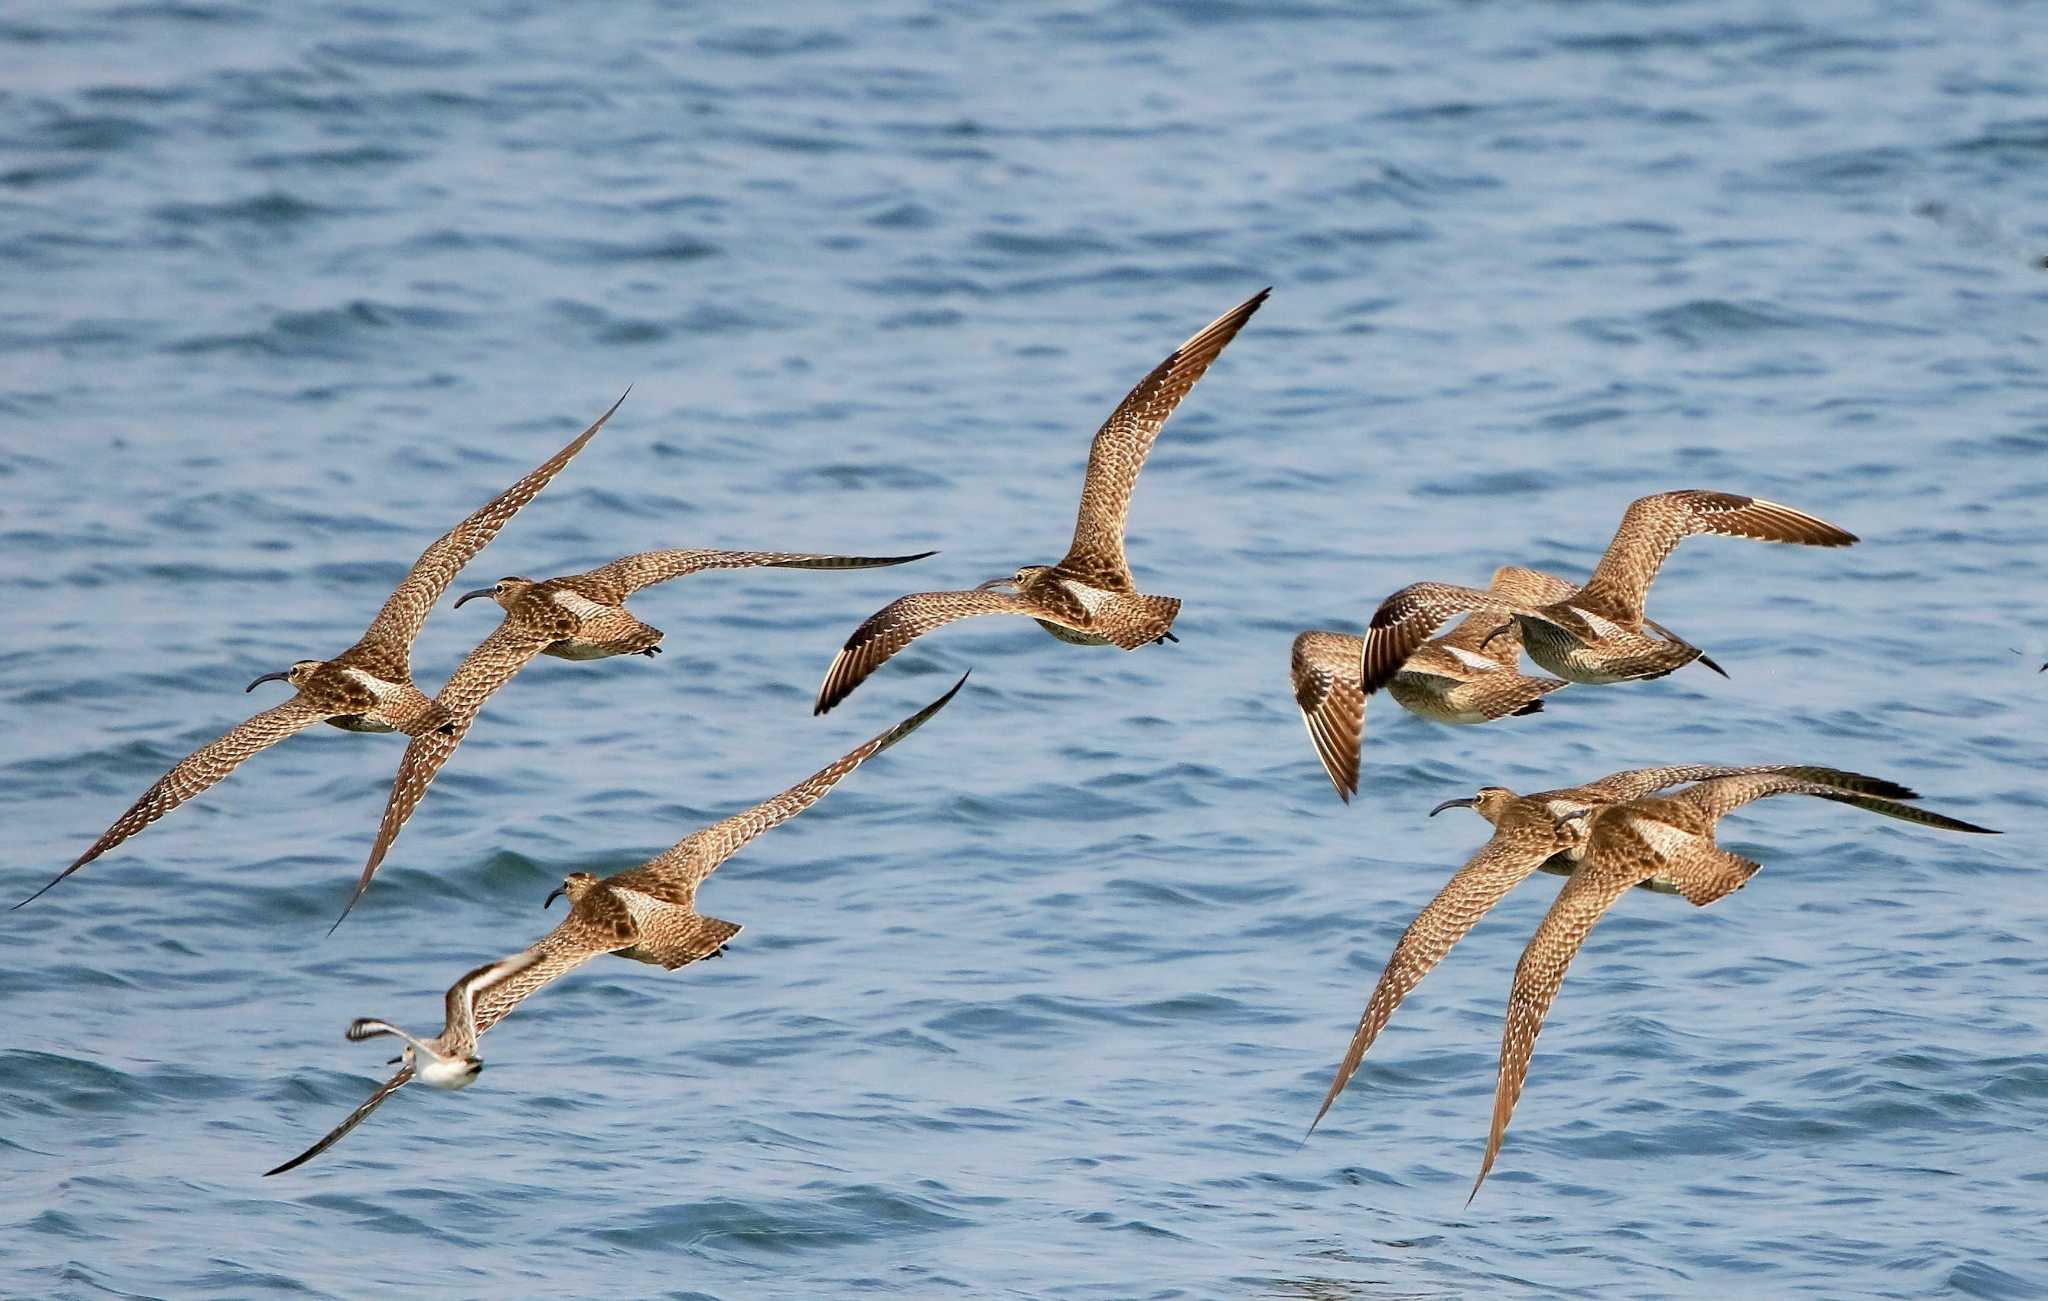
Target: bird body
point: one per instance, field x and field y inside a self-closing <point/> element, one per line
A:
<point x="1089" y="598"/>
<point x="1467" y="676"/>
<point x="646" y="913"/>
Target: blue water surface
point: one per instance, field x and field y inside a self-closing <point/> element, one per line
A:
<point x="1038" y="1004"/>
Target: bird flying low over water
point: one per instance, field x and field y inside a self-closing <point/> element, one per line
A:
<point x="1089" y="597"/>
<point x="1620" y="846"/>
<point x="1468" y="675"/>
<point x="647" y="913"/>
<point x="366" y="688"/>
<point x="577" y="617"/>
<point x="1528" y="837"/>
<point x="1598" y="633"/>
<point x="449" y="1060"/>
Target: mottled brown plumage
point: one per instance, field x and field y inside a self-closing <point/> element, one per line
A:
<point x="1089" y="597"/>
<point x="576" y="617"/>
<point x="1465" y="676"/>
<point x="646" y="913"/>
<point x="1526" y="839"/>
<point x="1597" y="634"/>
<point x="1619" y="846"/>
<point x="366" y="688"/>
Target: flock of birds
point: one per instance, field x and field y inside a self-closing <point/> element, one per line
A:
<point x="1607" y="836"/>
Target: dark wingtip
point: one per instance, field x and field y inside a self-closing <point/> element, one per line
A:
<point x="1533" y="707"/>
<point x="347" y="908"/>
<point x="1708" y="660"/>
<point x="51" y="884"/>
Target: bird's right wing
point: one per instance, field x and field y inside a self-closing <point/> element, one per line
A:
<point x="629" y="574"/>
<point x="896" y="624"/>
<point x="199" y="770"/>
<point x="1721" y="796"/>
<point x="1505" y="862"/>
<point x="1635" y="783"/>
<point x="1652" y="526"/>
<point x="1324" y="670"/>
<point x="388" y="642"/>
<point x="356" y="1117"/>
<point x="1121" y="445"/>
<point x="488" y="667"/>
<point x="674" y="876"/>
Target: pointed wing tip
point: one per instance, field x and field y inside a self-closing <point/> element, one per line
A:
<point x="954" y="690"/>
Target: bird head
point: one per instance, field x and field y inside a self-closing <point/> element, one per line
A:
<point x="575" y="885"/>
<point x="1489" y="803"/>
<point x="505" y="591"/>
<point x="296" y="674"/>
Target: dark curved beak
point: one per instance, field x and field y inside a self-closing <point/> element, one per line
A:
<point x="471" y="596"/>
<point x="1466" y="803"/>
<point x="993" y="583"/>
<point x="395" y="1061"/>
<point x="551" y="901"/>
<point x="268" y="677"/>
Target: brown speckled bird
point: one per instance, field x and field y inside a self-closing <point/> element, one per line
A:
<point x="1620" y="846"/>
<point x="1468" y="675"/>
<point x="647" y="913"/>
<point x="1597" y="634"/>
<point x="366" y="688"/>
<point x="1527" y="838"/>
<point x="578" y="617"/>
<point x="1089" y="597"/>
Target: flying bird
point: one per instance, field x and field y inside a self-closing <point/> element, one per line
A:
<point x="646" y="913"/>
<point x="576" y="617"/>
<point x="449" y="1060"/>
<point x="1597" y="634"/>
<point x="1624" y="845"/>
<point x="366" y="688"/>
<point x="1468" y="675"/>
<point x="1089" y="598"/>
<point x="1528" y="836"/>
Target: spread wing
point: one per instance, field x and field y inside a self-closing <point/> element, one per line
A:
<point x="1124" y="440"/>
<point x="629" y="574"/>
<point x="1505" y="862"/>
<point x="1636" y="783"/>
<point x="1721" y="796"/>
<point x="199" y="770"/>
<point x="1653" y="526"/>
<point x="1615" y="865"/>
<point x="598" y="924"/>
<point x="458" y="1034"/>
<point x="387" y="645"/>
<point x="488" y="667"/>
<point x="673" y="877"/>
<point x="356" y="1117"/>
<point x="896" y="624"/>
<point x="1410" y="617"/>
<point x="1324" y="670"/>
